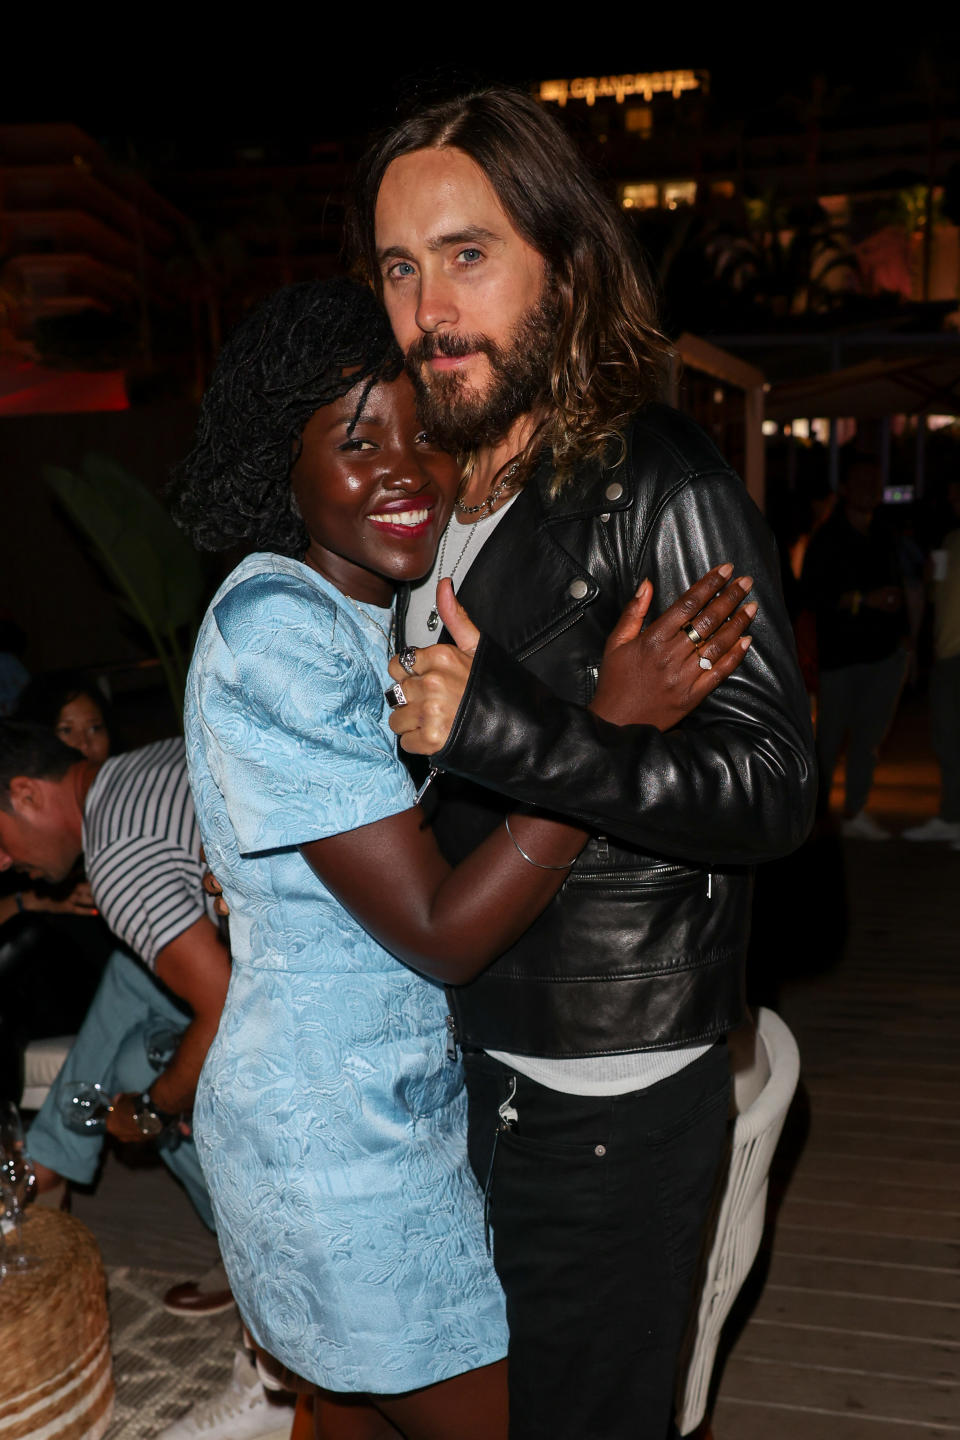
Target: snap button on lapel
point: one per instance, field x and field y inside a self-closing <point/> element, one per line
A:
<point x="614" y="490"/>
<point x="605" y="517"/>
<point x="578" y="589"/>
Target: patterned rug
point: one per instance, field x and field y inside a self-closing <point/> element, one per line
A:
<point x="162" y="1364"/>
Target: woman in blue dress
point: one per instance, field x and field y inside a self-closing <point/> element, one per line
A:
<point x="329" y="1120"/>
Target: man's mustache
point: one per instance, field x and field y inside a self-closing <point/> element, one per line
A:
<point x="447" y="345"/>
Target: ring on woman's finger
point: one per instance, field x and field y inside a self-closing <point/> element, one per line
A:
<point x="704" y="663"/>
<point x="693" y="635"/>
<point x="408" y="658"/>
<point x="394" y="696"/>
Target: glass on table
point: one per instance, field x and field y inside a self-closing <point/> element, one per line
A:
<point x="17" y="1181"/>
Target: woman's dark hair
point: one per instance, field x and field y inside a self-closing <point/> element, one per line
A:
<point x="302" y="348"/>
<point x="45" y="696"/>
<point x="609" y="357"/>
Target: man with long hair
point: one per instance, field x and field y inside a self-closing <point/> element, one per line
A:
<point x="594" y="1049"/>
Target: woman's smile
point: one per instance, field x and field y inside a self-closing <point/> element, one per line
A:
<point x="373" y="490"/>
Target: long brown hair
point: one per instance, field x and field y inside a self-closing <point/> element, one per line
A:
<point x="610" y="357"/>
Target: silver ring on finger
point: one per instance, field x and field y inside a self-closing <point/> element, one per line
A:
<point x="394" y="696"/>
<point x="693" y="636"/>
<point x="408" y="658"/>
<point x="704" y="663"/>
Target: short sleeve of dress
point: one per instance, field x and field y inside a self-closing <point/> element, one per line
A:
<point x="292" y="707"/>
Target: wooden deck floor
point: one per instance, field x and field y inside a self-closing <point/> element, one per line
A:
<point x="849" y="1328"/>
<point x="855" y="1330"/>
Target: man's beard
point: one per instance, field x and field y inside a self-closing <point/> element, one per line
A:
<point x="460" y="418"/>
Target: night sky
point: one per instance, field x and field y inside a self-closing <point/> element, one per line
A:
<point x="294" y="75"/>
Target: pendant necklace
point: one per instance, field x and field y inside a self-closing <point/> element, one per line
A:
<point x="433" y="619"/>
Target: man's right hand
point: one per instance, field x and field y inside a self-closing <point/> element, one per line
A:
<point x="654" y="676"/>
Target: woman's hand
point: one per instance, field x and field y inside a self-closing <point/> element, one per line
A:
<point x="213" y="888"/>
<point x="435" y="687"/>
<point x="656" y="676"/>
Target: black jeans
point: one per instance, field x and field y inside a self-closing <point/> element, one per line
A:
<point x="597" y="1208"/>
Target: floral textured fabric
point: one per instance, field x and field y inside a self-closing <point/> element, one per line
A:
<point x="329" y="1122"/>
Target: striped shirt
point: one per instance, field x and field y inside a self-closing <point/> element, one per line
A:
<point x="142" y="848"/>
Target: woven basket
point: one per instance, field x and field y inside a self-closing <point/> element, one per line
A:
<point x="56" y="1380"/>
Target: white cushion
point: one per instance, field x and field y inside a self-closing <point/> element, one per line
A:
<point x="42" y="1063"/>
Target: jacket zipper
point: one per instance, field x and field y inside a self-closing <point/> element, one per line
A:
<point x="451" y="1038"/>
<point x="548" y="639"/>
<point x="649" y="876"/>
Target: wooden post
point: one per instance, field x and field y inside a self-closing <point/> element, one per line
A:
<point x="754" y="465"/>
<point x="920" y="458"/>
<point x="699" y="354"/>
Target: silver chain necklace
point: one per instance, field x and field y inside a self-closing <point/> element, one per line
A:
<point x="494" y="495"/>
<point x="433" y="619"/>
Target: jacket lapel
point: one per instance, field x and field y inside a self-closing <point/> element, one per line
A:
<point x="527" y="585"/>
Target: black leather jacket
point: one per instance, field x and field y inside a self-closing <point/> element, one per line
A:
<point x="643" y="947"/>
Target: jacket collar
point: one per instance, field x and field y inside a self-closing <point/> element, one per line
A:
<point x="527" y="586"/>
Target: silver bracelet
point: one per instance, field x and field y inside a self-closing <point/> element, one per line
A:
<point x="529" y="859"/>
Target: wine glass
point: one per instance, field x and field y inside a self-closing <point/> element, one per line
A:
<point x="85" y="1107"/>
<point x="161" y="1046"/>
<point x="17" y="1180"/>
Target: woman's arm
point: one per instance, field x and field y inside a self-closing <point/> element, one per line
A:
<point x="451" y="923"/>
<point x="733" y="784"/>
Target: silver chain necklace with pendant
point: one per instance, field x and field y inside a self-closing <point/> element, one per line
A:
<point x="433" y="619"/>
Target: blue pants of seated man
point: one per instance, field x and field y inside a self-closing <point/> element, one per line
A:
<point x="111" y="1047"/>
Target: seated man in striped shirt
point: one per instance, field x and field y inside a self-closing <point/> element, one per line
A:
<point x="132" y="818"/>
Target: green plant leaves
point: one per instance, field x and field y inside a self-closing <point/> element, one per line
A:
<point x="156" y="570"/>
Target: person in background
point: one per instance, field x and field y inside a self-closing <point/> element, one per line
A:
<point x="852" y="582"/>
<point x="146" y="1032"/>
<point x="53" y="948"/>
<point x="945" y="685"/>
<point x="74" y="708"/>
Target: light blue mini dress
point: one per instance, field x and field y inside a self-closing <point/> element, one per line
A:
<point x="330" y="1124"/>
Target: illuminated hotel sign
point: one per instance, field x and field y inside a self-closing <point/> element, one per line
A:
<point x="618" y="87"/>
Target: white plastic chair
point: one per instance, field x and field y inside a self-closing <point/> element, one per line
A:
<point x="761" y="1101"/>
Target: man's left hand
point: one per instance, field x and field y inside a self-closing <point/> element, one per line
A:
<point x="435" y="688"/>
<point x="120" y="1121"/>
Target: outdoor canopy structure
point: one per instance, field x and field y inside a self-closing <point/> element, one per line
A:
<point x="917" y="384"/>
<point x="926" y="382"/>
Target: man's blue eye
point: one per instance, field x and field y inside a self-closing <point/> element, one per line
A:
<point x="470" y="255"/>
<point x="402" y="269"/>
